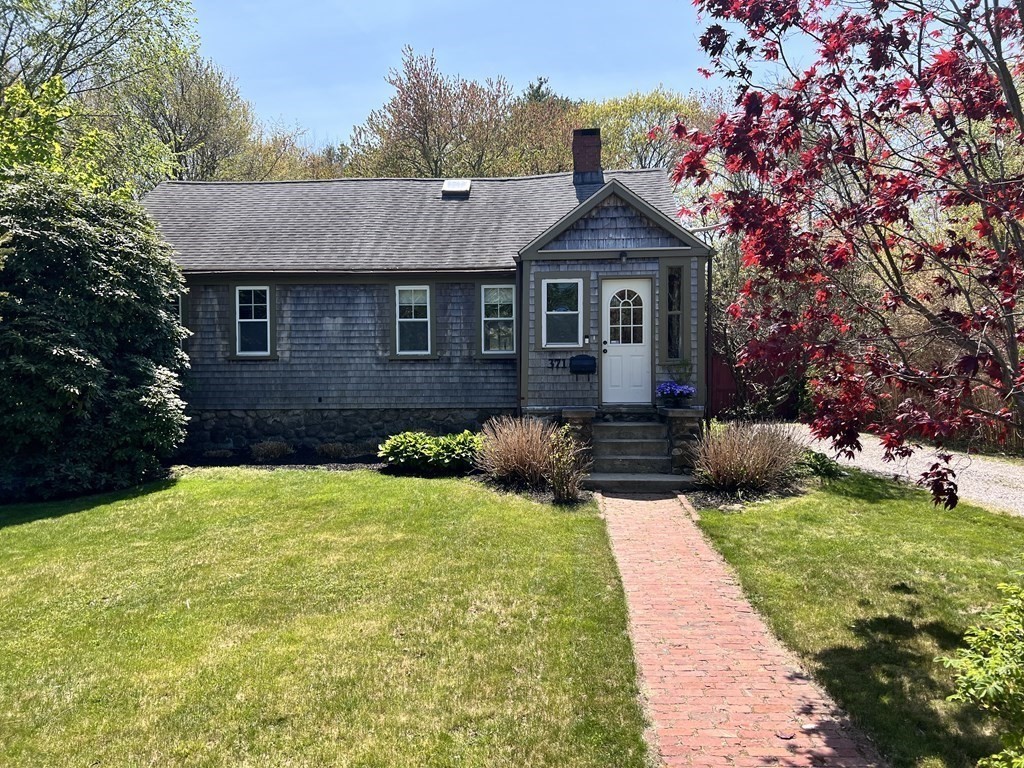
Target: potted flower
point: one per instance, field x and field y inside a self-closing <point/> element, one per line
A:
<point x="675" y="395"/>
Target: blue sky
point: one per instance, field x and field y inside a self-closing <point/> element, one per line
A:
<point x="322" y="63"/>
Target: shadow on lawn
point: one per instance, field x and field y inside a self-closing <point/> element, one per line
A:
<point x="19" y="514"/>
<point x="891" y="684"/>
<point x="874" y="488"/>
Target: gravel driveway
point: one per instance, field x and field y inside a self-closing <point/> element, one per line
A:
<point x="993" y="483"/>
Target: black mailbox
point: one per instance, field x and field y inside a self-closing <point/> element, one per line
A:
<point x="583" y="364"/>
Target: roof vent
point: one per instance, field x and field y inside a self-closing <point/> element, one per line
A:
<point x="456" y="187"/>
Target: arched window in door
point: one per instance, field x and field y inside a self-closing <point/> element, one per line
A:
<point x="626" y="318"/>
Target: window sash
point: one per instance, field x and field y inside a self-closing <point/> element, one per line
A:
<point x="674" y="315"/>
<point x="562" y="313"/>
<point x="494" y="315"/>
<point x="419" y="313"/>
<point x="250" y="322"/>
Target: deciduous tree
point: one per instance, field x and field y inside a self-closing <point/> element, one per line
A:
<point x="891" y="208"/>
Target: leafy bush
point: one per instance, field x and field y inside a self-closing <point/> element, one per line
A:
<point x="569" y="463"/>
<point x="90" y="355"/>
<point x="990" y="673"/>
<point x="516" y="452"/>
<point x="744" y="457"/>
<point x="420" y="453"/>
<point x="455" y="454"/>
<point x="817" y="464"/>
<point x="407" y="452"/>
<point x="270" y="450"/>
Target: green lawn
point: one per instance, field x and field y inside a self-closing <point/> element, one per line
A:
<point x="242" y="617"/>
<point x="869" y="583"/>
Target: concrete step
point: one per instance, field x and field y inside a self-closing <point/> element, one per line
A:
<point x="633" y="464"/>
<point x="633" y="447"/>
<point x="621" y="482"/>
<point x="629" y="430"/>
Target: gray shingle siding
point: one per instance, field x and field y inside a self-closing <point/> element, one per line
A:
<point x="613" y="224"/>
<point x="557" y="388"/>
<point x="333" y="345"/>
<point x="548" y="387"/>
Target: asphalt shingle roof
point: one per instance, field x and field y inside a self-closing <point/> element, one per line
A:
<point x="360" y="225"/>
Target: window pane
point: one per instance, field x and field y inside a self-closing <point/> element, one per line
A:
<point x="563" y="297"/>
<point x="674" y="351"/>
<point x="412" y="336"/>
<point x="614" y="333"/>
<point x="638" y="334"/>
<point x="245" y="312"/>
<point x="498" y="295"/>
<point x="252" y="337"/>
<point x="563" y="329"/>
<point x="259" y="297"/>
<point x="675" y="283"/>
<point x="245" y="297"/>
<point x="404" y="312"/>
<point x="498" y="336"/>
<point x="259" y="312"/>
<point x="414" y="296"/>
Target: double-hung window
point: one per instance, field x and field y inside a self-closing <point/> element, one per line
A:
<point x="563" y="313"/>
<point x="412" y="305"/>
<point x="252" y="320"/>
<point x="498" y="319"/>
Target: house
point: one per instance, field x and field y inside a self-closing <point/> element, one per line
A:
<point x="350" y="309"/>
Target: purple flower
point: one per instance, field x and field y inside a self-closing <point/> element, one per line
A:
<point x="671" y="389"/>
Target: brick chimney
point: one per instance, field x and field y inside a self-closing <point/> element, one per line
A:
<point x="586" y="156"/>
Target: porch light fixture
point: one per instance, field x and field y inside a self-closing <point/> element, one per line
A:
<point x="622" y="256"/>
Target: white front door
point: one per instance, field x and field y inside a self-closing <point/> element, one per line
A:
<point x="626" y="341"/>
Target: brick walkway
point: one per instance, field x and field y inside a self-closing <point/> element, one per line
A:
<point x="720" y="689"/>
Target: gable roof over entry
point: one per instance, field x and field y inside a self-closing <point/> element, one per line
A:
<point x="636" y="224"/>
<point x="377" y="225"/>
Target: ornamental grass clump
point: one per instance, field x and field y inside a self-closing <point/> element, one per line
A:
<point x="516" y="452"/>
<point x="743" y="458"/>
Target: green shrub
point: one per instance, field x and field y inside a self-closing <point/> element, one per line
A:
<point x="270" y="450"/>
<point x="568" y="465"/>
<point x="990" y="673"/>
<point x="817" y="464"/>
<point x="455" y="454"/>
<point x="407" y="452"/>
<point x="516" y="452"/>
<point x="744" y="457"/>
<point x="90" y="357"/>
<point x="420" y="453"/>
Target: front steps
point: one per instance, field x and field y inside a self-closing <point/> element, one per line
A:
<point x="633" y="457"/>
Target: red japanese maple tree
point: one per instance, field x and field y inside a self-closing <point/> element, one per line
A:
<point x="889" y="135"/>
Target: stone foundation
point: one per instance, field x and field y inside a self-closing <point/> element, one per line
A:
<point x="217" y="430"/>
<point x="684" y="430"/>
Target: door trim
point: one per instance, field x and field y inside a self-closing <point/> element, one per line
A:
<point x="652" y="335"/>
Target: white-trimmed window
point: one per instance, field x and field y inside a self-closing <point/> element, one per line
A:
<point x="252" y="320"/>
<point x="563" y="313"/>
<point x="412" y="311"/>
<point x="497" y="319"/>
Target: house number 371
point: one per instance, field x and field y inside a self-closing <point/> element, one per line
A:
<point x="552" y="363"/>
